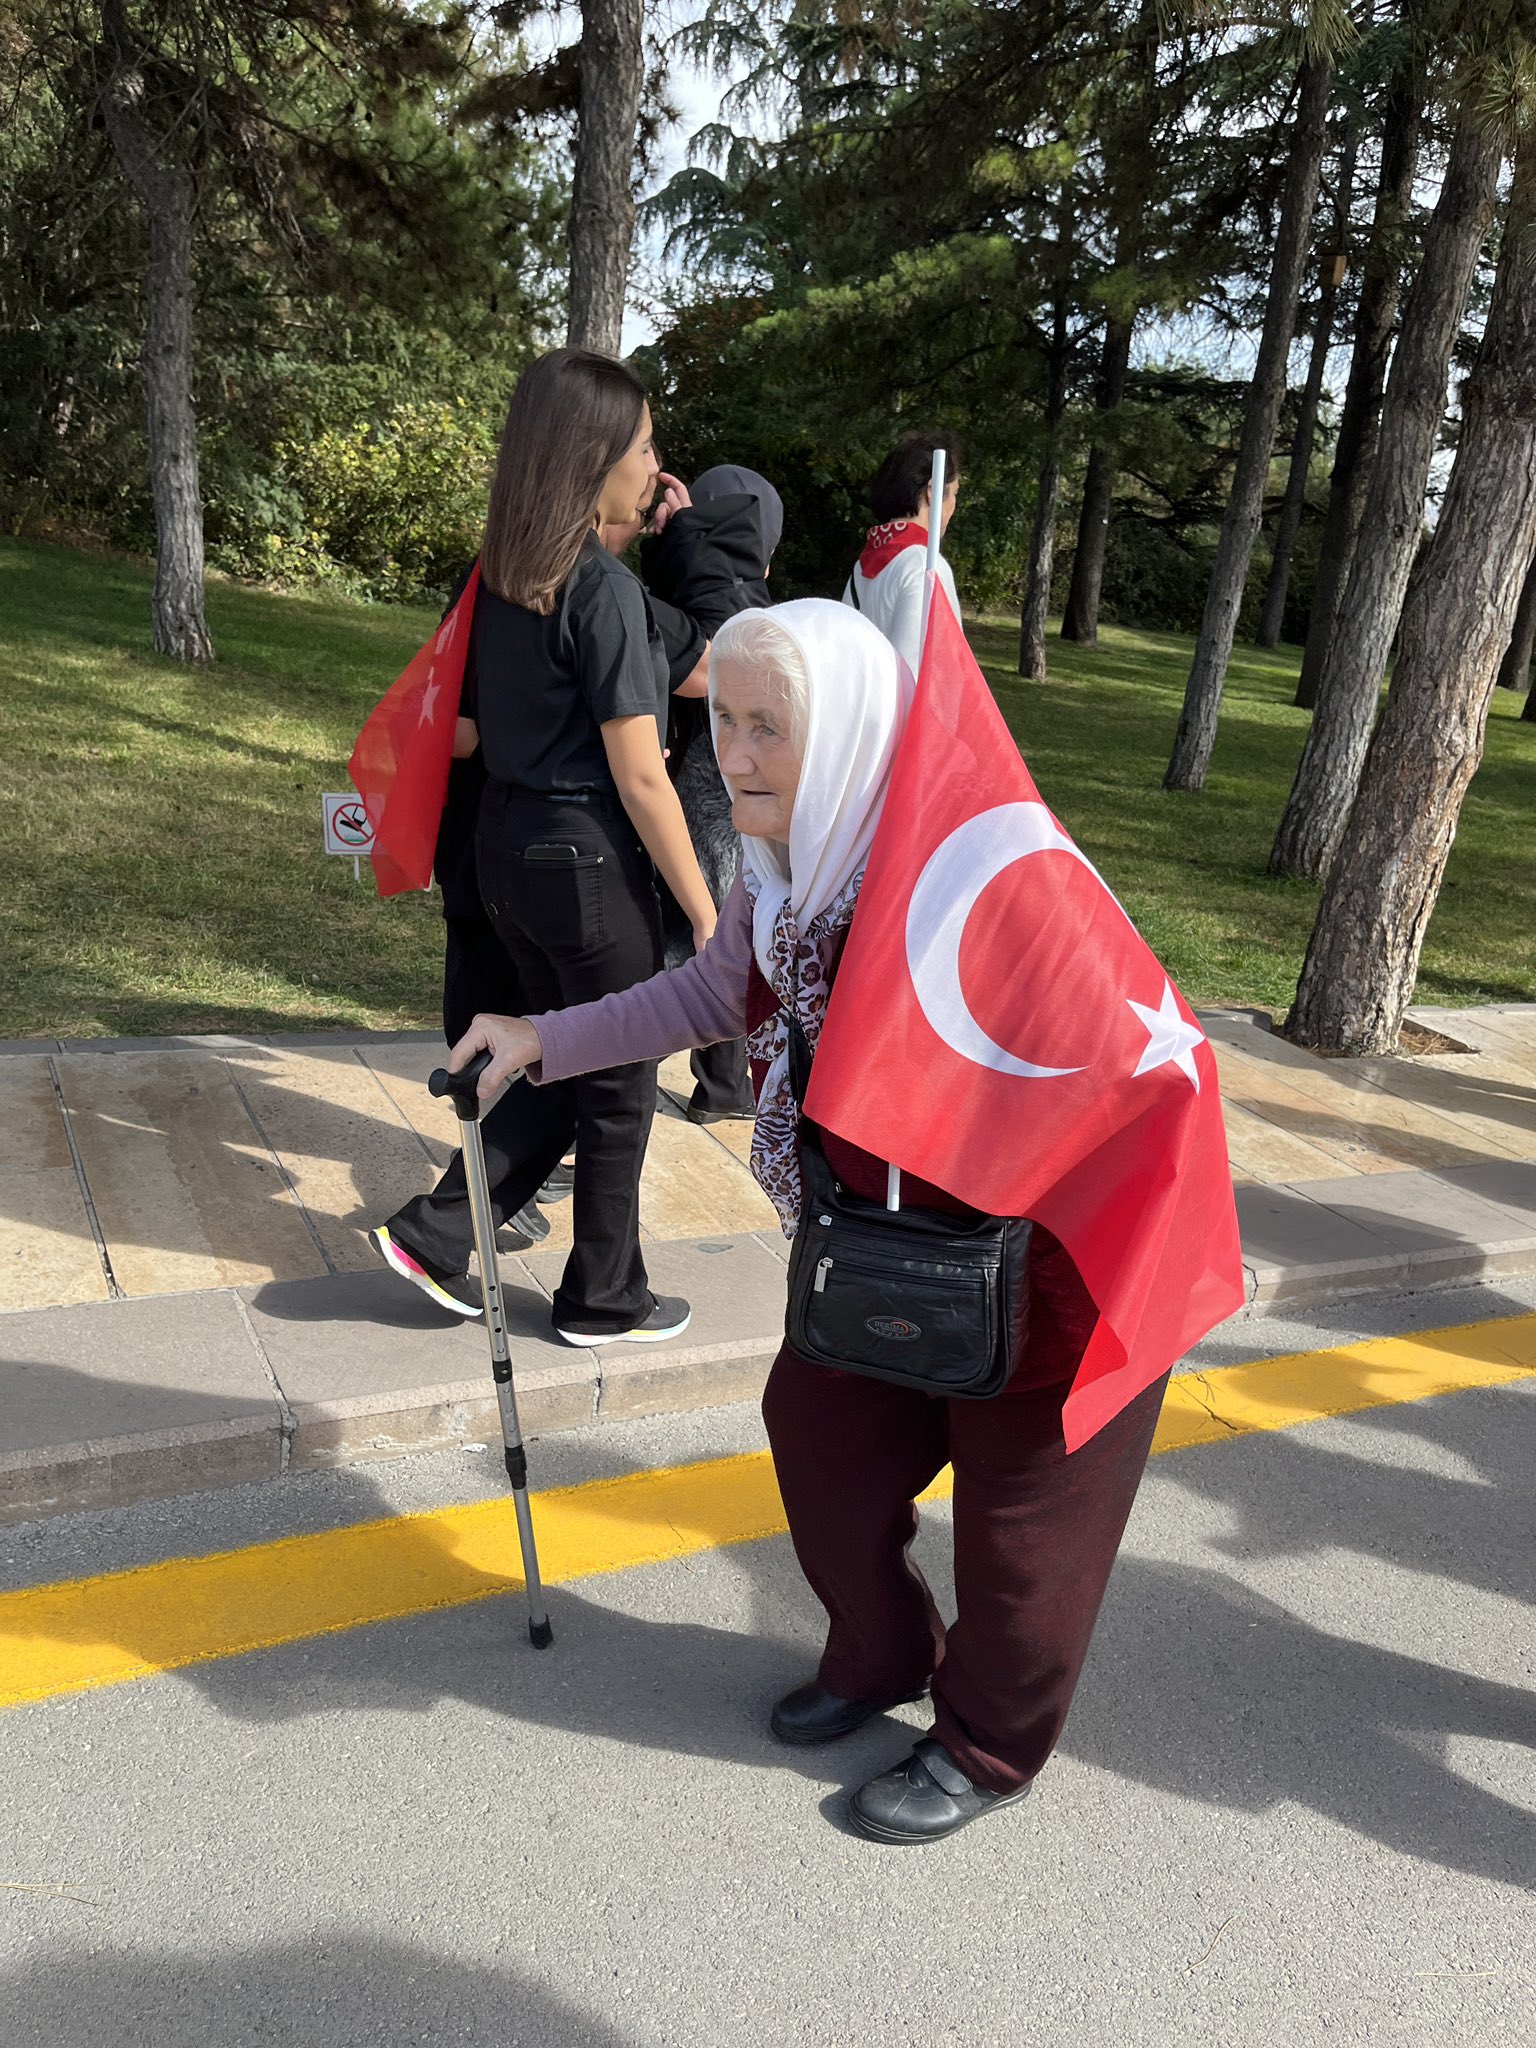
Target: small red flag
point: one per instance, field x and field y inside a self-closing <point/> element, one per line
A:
<point x="1033" y="1057"/>
<point x="399" y="766"/>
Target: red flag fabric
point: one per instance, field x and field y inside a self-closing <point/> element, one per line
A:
<point x="399" y="766"/>
<point x="999" y="1028"/>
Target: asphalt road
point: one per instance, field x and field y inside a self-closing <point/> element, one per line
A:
<point x="1296" y="1801"/>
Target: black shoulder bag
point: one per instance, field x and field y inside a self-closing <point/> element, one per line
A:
<point x="916" y="1296"/>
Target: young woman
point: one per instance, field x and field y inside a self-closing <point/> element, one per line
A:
<point x="808" y="703"/>
<point x="578" y="814"/>
<point x="887" y="581"/>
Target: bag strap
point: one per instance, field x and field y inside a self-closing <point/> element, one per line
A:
<point x="800" y="1057"/>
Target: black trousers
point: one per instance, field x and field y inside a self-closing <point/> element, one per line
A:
<point x="478" y="975"/>
<point x="722" y="1079"/>
<point x="1036" y="1534"/>
<point x="574" y="929"/>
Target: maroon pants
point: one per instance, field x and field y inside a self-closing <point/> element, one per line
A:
<point x="1036" y="1532"/>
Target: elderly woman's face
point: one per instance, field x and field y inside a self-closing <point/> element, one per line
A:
<point x="757" y="756"/>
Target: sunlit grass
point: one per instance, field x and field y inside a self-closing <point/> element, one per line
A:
<point x="1190" y="869"/>
<point x="161" y="825"/>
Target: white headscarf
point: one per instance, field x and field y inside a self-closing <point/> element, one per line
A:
<point x="859" y="693"/>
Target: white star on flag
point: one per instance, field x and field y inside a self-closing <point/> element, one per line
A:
<point x="428" y="698"/>
<point x="1169" y="1038"/>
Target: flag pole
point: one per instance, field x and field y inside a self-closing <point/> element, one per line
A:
<point x="935" y="521"/>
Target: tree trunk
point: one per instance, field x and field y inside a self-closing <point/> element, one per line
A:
<point x="1080" y="621"/>
<point x="1042" y="539"/>
<point x="1272" y="616"/>
<point x="1515" y="670"/>
<point x="1364" y="955"/>
<point x="168" y="196"/>
<point x="612" y="66"/>
<point x="1196" y="735"/>
<point x="1375" y="319"/>
<point x="1368" y="614"/>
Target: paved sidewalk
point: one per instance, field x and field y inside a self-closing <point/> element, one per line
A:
<point x="187" y="1298"/>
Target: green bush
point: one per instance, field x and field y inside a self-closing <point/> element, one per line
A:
<point x="400" y="502"/>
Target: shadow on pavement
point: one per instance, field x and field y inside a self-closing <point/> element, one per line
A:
<point x="1470" y="1522"/>
<point x="328" y="1991"/>
<point x="1197" y="1684"/>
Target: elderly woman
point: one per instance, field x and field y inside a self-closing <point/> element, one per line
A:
<point x="808" y="701"/>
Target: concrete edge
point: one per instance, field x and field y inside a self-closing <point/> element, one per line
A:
<point x="151" y="1464"/>
<point x="1397" y="1272"/>
<point x="610" y="1385"/>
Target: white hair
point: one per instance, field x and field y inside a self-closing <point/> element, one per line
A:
<point x="753" y="645"/>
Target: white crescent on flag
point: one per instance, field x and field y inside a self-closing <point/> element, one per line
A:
<point x="947" y="891"/>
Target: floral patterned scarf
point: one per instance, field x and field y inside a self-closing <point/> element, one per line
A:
<point x="796" y="972"/>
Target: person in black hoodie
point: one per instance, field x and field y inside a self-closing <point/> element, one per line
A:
<point x="709" y="558"/>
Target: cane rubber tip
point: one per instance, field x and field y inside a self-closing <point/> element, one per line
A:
<point x="540" y="1634"/>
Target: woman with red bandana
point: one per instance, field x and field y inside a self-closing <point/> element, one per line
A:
<point x="887" y="581"/>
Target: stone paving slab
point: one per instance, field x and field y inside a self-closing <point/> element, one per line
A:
<point x="131" y="1400"/>
<point x="48" y="1252"/>
<point x="369" y="1368"/>
<point x="1510" y="1184"/>
<point x="1260" y="1152"/>
<point x="233" y="1180"/>
<point x="736" y="1287"/>
<point x="346" y="1147"/>
<point x="186" y="1189"/>
<point x="1310" y="1242"/>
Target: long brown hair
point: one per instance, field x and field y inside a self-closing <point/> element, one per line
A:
<point x="572" y="417"/>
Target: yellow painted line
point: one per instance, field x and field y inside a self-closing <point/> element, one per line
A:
<point x="81" y="1633"/>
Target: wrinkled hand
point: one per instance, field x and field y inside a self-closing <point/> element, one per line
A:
<point x="674" y="498"/>
<point x="512" y="1043"/>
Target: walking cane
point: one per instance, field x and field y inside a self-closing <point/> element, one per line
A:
<point x="462" y="1091"/>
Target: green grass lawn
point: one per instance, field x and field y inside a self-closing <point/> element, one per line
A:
<point x="161" y="826"/>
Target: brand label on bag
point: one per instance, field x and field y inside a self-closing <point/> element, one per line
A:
<point x="894" y="1327"/>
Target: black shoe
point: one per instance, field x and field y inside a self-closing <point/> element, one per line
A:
<point x="812" y="1714"/>
<point x="923" y="1799"/>
<point x="696" y="1113"/>
<point x="527" y="1227"/>
<point x="557" y="1187"/>
<point x="669" y="1316"/>
<point x="455" y="1291"/>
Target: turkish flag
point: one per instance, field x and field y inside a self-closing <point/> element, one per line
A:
<point x="399" y="766"/>
<point x="999" y="1028"/>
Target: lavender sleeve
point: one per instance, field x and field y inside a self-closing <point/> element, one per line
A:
<point x="703" y="1002"/>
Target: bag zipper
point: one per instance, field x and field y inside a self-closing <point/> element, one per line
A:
<point x="935" y="1268"/>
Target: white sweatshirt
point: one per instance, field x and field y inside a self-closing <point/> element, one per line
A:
<point x="893" y="600"/>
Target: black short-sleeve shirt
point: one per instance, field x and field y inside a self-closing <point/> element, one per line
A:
<point x="682" y="639"/>
<point x="545" y="685"/>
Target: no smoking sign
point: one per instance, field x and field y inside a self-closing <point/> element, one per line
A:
<point x="347" y="829"/>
